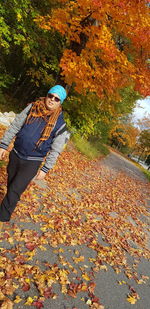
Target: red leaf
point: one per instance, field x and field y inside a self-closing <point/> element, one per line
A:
<point x="38" y="304"/>
<point x="6" y="235"/>
<point x="95" y="299"/>
<point x="30" y="246"/>
<point x="20" y="259"/>
<point x="48" y="292"/>
<point x="26" y="287"/>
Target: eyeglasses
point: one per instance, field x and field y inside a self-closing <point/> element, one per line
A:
<point x="51" y="96"/>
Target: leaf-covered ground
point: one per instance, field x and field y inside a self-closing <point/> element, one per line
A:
<point x="83" y="221"/>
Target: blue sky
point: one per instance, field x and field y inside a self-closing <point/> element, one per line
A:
<point x="142" y="109"/>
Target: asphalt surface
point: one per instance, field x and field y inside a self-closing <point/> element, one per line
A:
<point x="116" y="163"/>
<point x="111" y="294"/>
<point x="106" y="284"/>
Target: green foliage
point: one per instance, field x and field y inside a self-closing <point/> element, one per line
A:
<point x="98" y="144"/>
<point x="85" y="147"/>
<point x="30" y="65"/>
<point x="5" y="80"/>
<point x="84" y="114"/>
<point x="148" y="160"/>
<point x="30" y="55"/>
<point x="90" y="116"/>
<point x="144" y="139"/>
<point x="91" y="149"/>
<point x="147" y="174"/>
<point x="129" y="97"/>
<point x="102" y="130"/>
<point x="125" y="149"/>
<point x="9" y="104"/>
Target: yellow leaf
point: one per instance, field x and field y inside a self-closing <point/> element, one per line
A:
<point x="43" y="229"/>
<point x="64" y="289"/>
<point x="103" y="267"/>
<point x="30" y="254"/>
<point x="92" y="260"/>
<point x="76" y="252"/>
<point x="86" y="277"/>
<point x="29" y="301"/>
<point x="84" y="287"/>
<point x="51" y="225"/>
<point x="131" y="299"/>
<point x="2" y="296"/>
<point x="16" y="286"/>
<point x="10" y="240"/>
<point x="42" y="248"/>
<point x="18" y="299"/>
<point x="89" y="302"/>
<point x="74" y="242"/>
<point x="27" y="280"/>
<point x="78" y="259"/>
<point x="121" y="282"/>
<point x="19" y="17"/>
<point x="2" y="274"/>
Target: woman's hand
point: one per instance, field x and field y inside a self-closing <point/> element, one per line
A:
<point x="3" y="153"/>
<point x="40" y="175"/>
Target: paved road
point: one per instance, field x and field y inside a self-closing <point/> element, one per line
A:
<point x="112" y="295"/>
<point x="116" y="163"/>
<point x="107" y="287"/>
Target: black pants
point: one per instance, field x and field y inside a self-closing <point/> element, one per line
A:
<point x="20" y="173"/>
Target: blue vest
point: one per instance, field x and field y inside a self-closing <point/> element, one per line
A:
<point x="30" y="133"/>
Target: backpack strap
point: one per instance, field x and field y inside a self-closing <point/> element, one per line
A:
<point x="61" y="131"/>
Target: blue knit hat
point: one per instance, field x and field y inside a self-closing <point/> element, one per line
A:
<point x="60" y="91"/>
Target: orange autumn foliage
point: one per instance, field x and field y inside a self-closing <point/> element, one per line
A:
<point x="125" y="134"/>
<point x="107" y="44"/>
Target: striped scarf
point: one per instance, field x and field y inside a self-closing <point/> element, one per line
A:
<point x="39" y="110"/>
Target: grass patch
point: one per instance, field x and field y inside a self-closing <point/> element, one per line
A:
<point x="91" y="150"/>
<point x="146" y="173"/>
<point x="102" y="148"/>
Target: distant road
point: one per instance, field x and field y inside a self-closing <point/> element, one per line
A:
<point x="117" y="163"/>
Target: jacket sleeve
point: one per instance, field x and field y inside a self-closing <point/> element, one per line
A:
<point x="56" y="148"/>
<point x="14" y="128"/>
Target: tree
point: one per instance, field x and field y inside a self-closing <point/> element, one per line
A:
<point x="93" y="46"/>
<point x="144" y="123"/>
<point x="144" y="143"/>
<point x="124" y="135"/>
<point x="91" y="115"/>
<point x="107" y="44"/>
<point x="29" y="55"/>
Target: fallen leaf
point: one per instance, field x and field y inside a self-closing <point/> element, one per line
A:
<point x="29" y="301"/>
<point x="131" y="299"/>
<point x="86" y="277"/>
<point x="18" y="299"/>
<point x="78" y="259"/>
